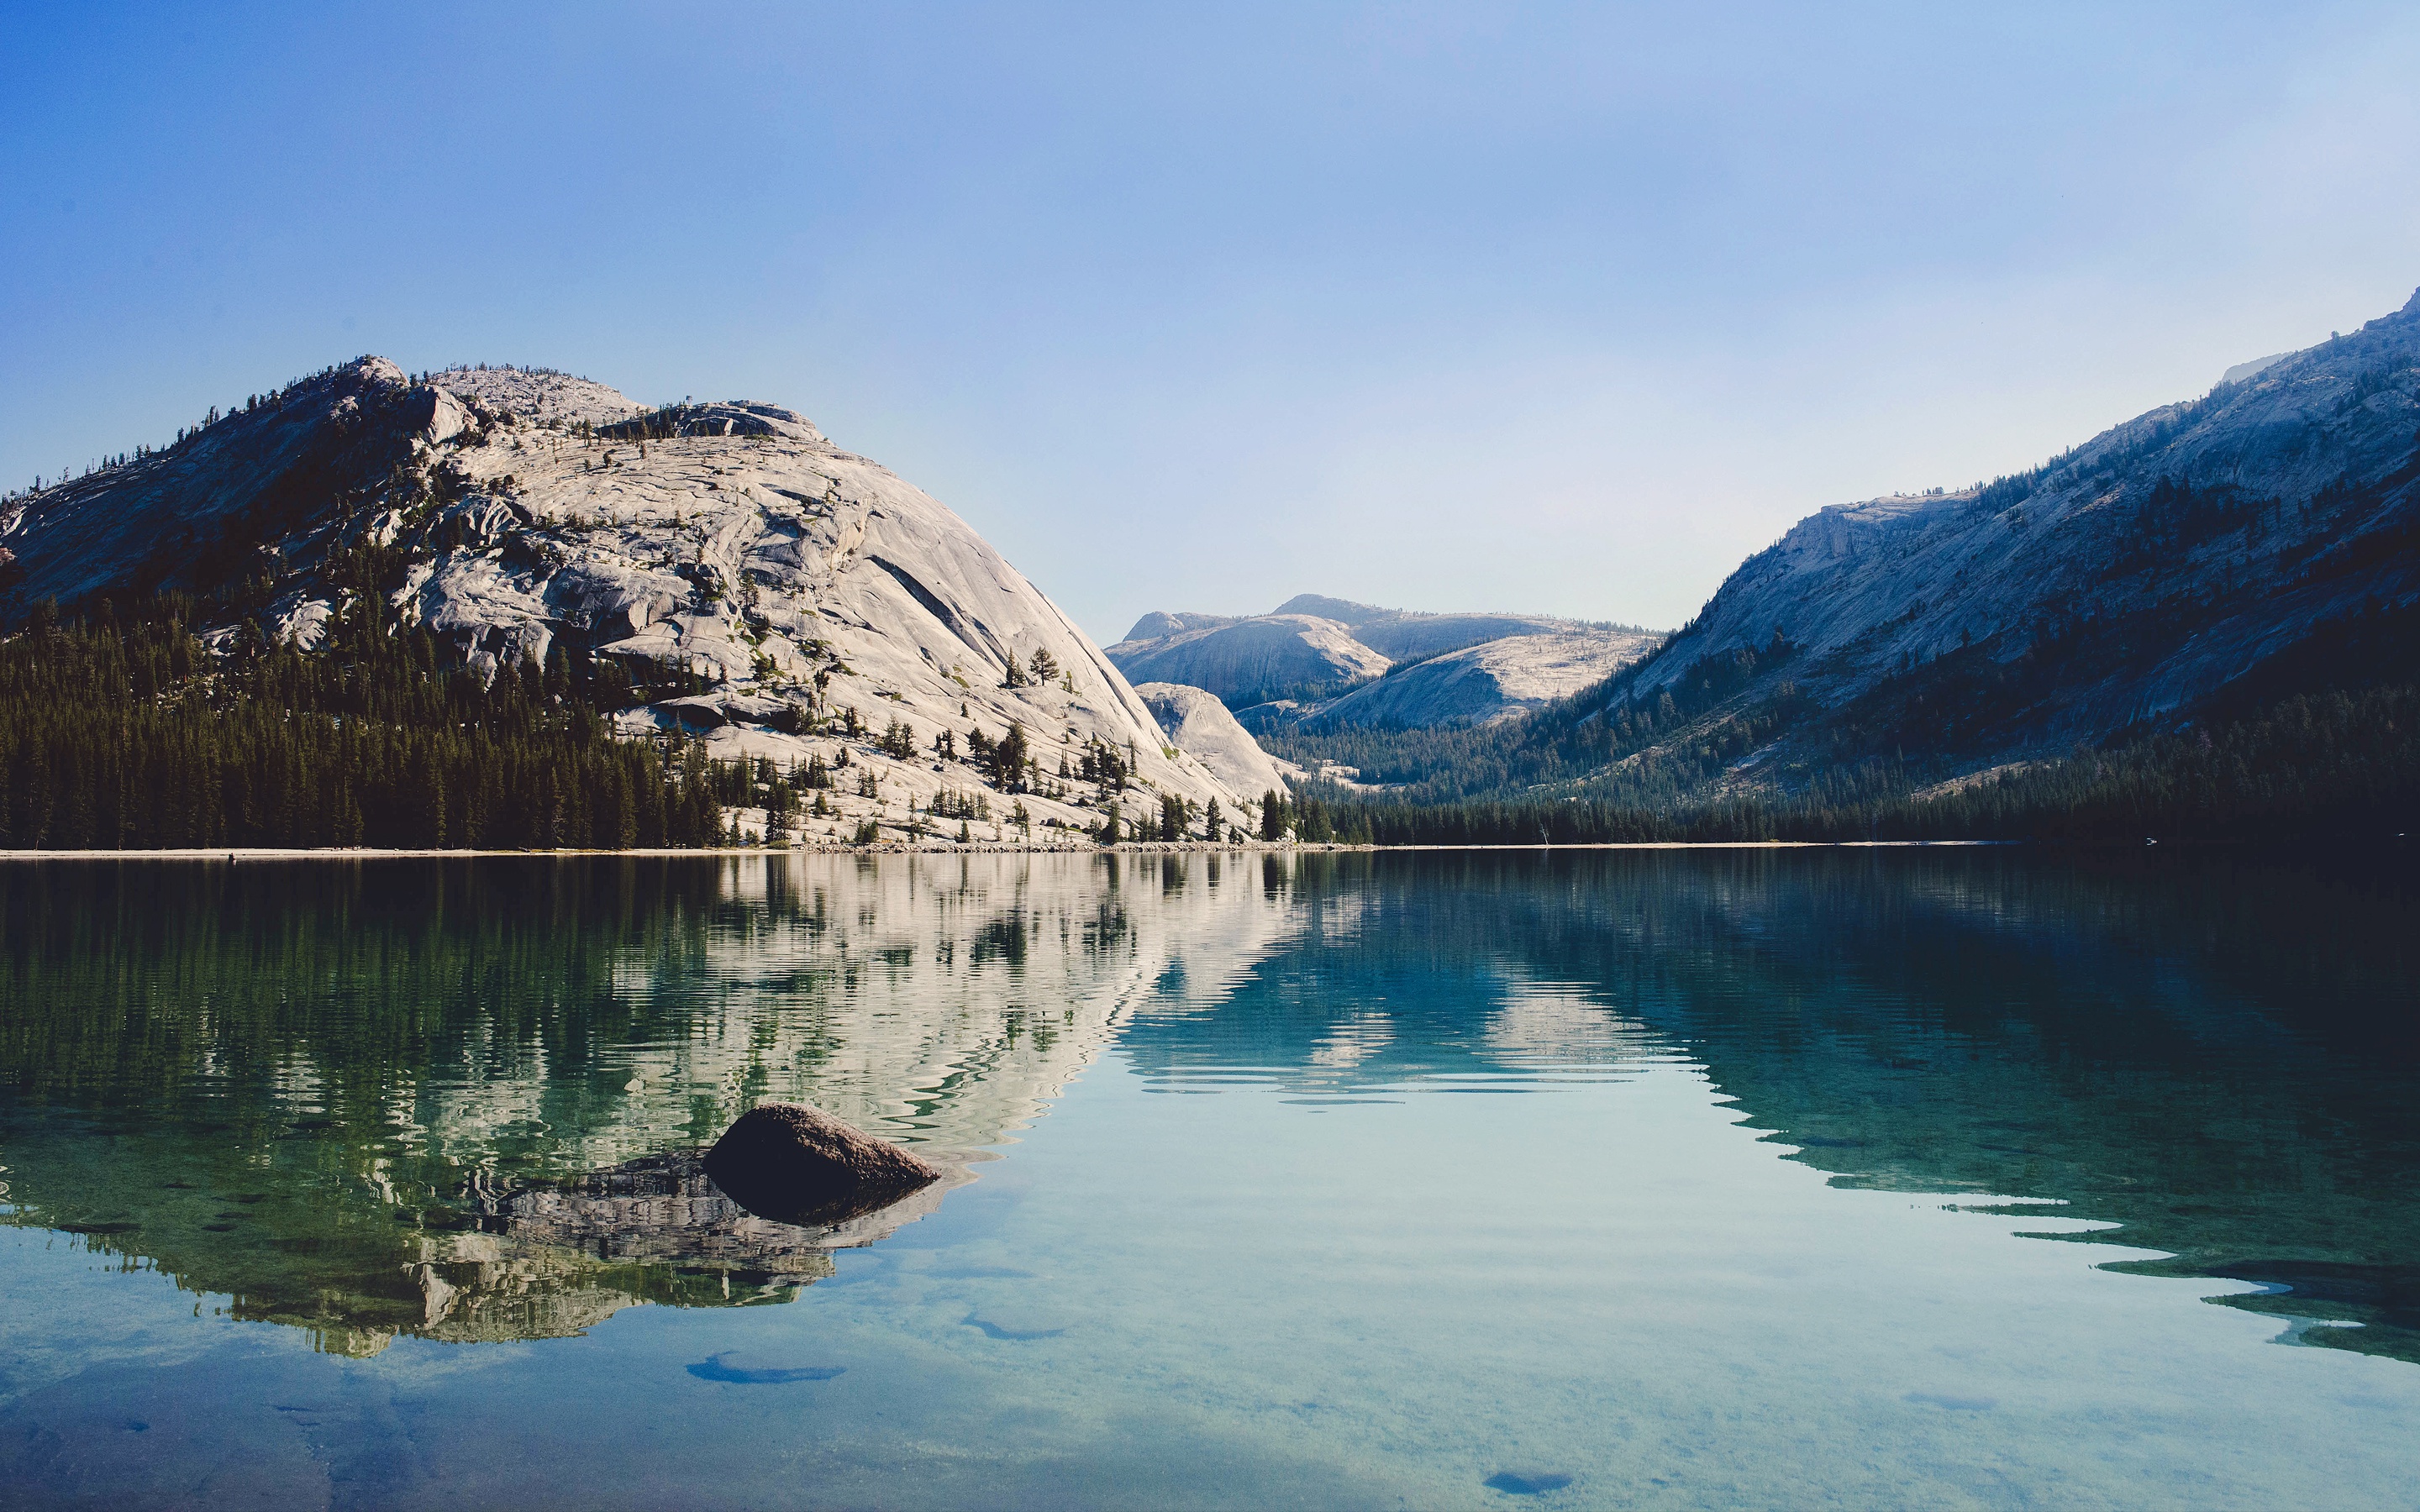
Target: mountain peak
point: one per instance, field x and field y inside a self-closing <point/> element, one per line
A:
<point x="1343" y="610"/>
<point x="539" y="393"/>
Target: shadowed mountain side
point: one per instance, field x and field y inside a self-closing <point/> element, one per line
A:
<point x="2194" y="564"/>
<point x="2201" y="623"/>
<point x="2194" y="540"/>
<point x="463" y="1099"/>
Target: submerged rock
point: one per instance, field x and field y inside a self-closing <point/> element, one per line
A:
<point x="1526" y="1482"/>
<point x="793" y="1164"/>
<point x="719" y="1367"/>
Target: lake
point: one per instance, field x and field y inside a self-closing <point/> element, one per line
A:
<point x="1455" y="1180"/>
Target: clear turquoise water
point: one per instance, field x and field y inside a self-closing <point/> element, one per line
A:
<point x="1643" y="1179"/>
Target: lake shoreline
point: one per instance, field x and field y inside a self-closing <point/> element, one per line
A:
<point x="364" y="852"/>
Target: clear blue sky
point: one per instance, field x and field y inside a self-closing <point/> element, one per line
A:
<point x="1545" y="308"/>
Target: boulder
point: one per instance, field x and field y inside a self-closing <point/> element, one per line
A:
<point x="794" y="1165"/>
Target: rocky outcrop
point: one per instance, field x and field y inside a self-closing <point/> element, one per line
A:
<point x="1156" y="624"/>
<point x="793" y="1164"/>
<point x="1201" y="726"/>
<point x="1403" y="635"/>
<point x="549" y="398"/>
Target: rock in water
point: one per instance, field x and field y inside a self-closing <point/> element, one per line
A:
<point x="793" y="1164"/>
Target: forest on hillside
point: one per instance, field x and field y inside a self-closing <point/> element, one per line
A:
<point x="120" y="730"/>
<point x="2341" y="764"/>
<point x="2319" y="741"/>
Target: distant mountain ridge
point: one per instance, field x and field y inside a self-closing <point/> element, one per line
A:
<point x="1321" y="662"/>
<point x="2203" y="561"/>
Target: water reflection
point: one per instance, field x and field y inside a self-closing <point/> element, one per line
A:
<point x="2215" y="1056"/>
<point x="452" y="1098"/>
<point x="461" y="1100"/>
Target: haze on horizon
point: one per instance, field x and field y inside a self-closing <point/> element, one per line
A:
<point x="1547" y="308"/>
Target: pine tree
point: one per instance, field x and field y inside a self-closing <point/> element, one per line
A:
<point x="1008" y="759"/>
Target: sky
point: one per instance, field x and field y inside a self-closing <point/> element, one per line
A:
<point x="1542" y="307"/>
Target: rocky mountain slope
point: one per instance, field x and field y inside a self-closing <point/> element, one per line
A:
<point x="805" y="602"/>
<point x="2126" y="580"/>
<point x="1493" y="680"/>
<point x="1324" y="662"/>
<point x="1248" y="661"/>
<point x="1199" y="725"/>
<point x="2198" y="564"/>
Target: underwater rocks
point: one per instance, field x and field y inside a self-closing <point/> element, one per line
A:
<point x="793" y="1164"/>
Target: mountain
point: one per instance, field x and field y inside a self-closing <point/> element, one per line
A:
<point x="1489" y="682"/>
<point x="1248" y="661"/>
<point x="2127" y="579"/>
<point x="765" y="589"/>
<point x="2131" y="624"/>
<point x="1324" y="662"/>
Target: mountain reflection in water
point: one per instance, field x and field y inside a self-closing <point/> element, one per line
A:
<point x="460" y="1098"/>
<point x="464" y="1099"/>
<point x="2217" y="1055"/>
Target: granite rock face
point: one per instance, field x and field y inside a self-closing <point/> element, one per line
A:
<point x="1249" y="660"/>
<point x="1329" y="663"/>
<point x="1485" y="684"/>
<point x="1200" y="726"/>
<point x="529" y="511"/>
<point x="795" y="1165"/>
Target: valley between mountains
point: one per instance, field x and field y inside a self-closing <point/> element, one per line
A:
<point x="502" y="606"/>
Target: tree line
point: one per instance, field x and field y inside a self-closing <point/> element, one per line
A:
<point x="120" y="730"/>
<point x="2334" y="764"/>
